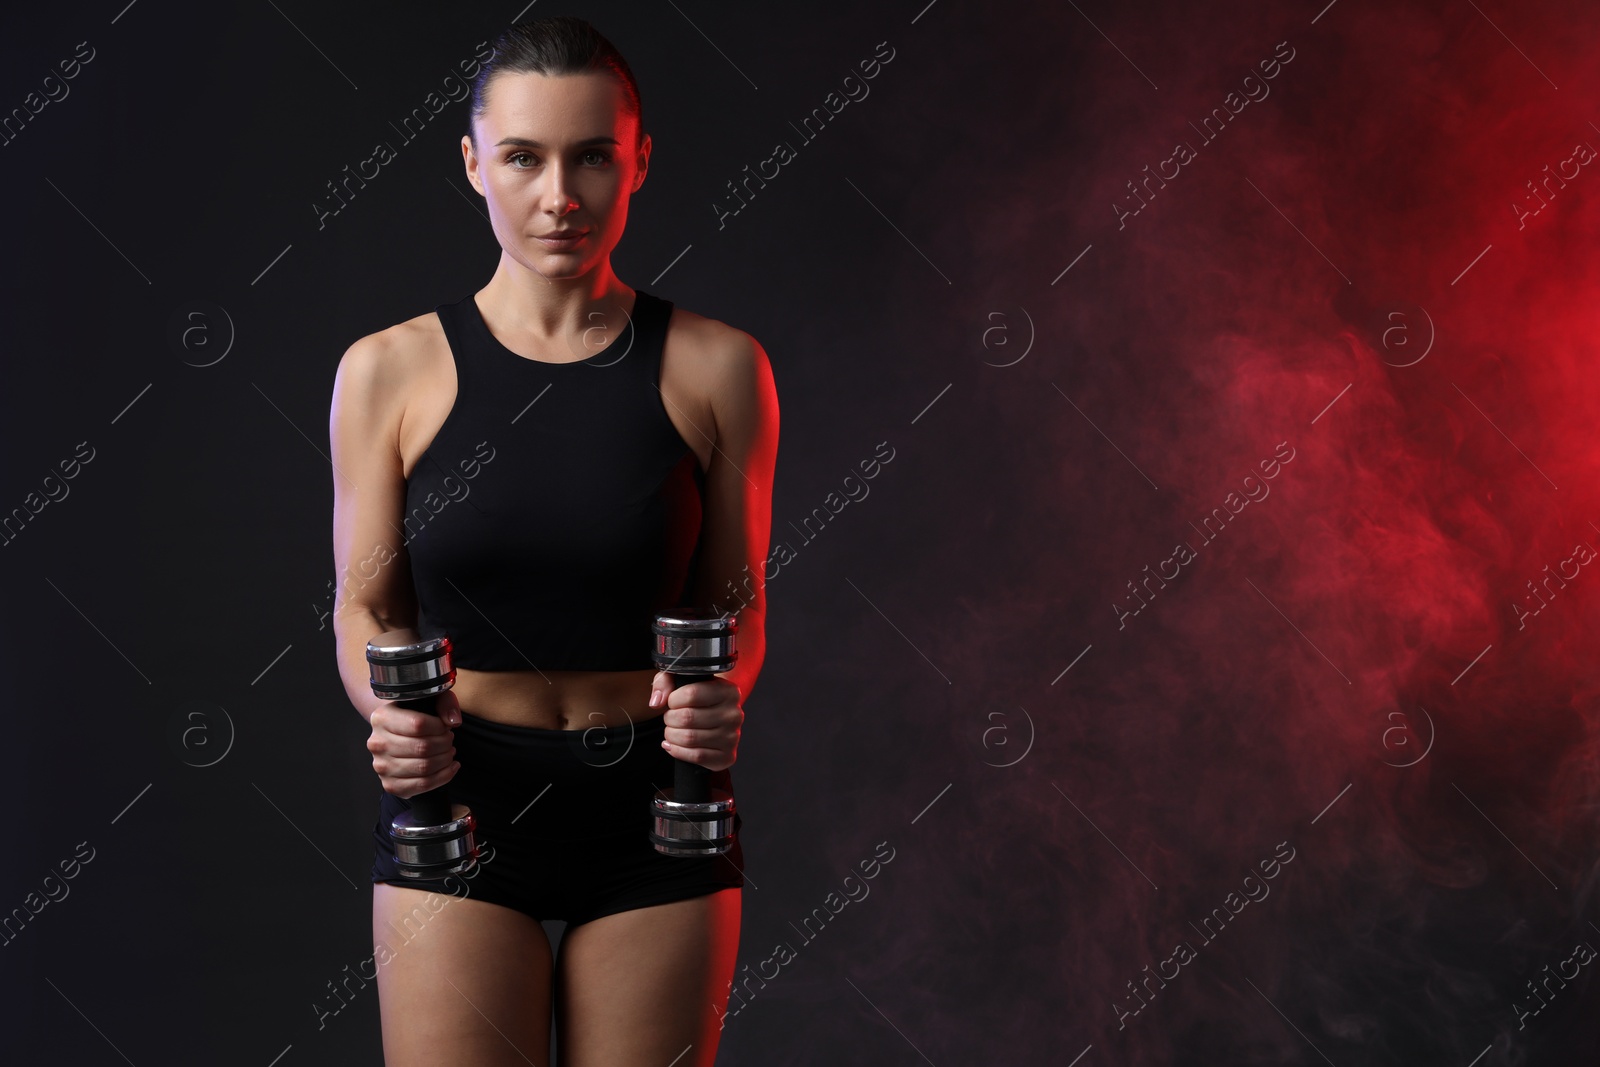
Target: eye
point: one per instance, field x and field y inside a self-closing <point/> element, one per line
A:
<point x="601" y="158"/>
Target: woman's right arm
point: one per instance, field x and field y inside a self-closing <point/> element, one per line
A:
<point x="412" y="751"/>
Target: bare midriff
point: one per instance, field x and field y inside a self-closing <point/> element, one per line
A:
<point x="556" y="700"/>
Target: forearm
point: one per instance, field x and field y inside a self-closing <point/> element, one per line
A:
<point x="352" y="630"/>
<point x="752" y="645"/>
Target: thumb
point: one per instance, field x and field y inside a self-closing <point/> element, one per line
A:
<point x="660" y="686"/>
<point x="449" y="709"/>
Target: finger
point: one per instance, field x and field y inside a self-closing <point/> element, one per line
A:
<point x="415" y="759"/>
<point x="660" y="686"/>
<point x="449" y="708"/>
<point x="419" y="767"/>
<point x="723" y="717"/>
<point x="399" y="747"/>
<point x="424" y="747"/>
<point x="690" y="695"/>
<point x="707" y="693"/>
<point x="738" y="694"/>
<point x="433" y="781"/>
<point x="392" y="719"/>
<point x="711" y="759"/>
<point x="675" y="739"/>
<point x="410" y="723"/>
<point x="680" y="751"/>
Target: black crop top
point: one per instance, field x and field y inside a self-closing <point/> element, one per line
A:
<point x="558" y="508"/>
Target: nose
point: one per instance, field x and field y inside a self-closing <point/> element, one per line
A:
<point x="557" y="196"/>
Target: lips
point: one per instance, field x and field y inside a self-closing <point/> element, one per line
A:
<point x="562" y="240"/>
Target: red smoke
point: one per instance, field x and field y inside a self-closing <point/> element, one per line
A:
<point x="1351" y="269"/>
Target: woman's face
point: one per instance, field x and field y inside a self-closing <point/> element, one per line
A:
<point x="556" y="153"/>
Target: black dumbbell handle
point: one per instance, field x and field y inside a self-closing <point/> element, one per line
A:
<point x="691" y="782"/>
<point x="431" y="808"/>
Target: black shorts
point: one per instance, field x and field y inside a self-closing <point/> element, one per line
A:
<point x="563" y="820"/>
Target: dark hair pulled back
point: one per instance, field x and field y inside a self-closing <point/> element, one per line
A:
<point x="556" y="45"/>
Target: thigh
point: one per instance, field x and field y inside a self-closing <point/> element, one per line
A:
<point x="647" y="987"/>
<point x="460" y="981"/>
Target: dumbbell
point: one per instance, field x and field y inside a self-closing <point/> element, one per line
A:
<point x="434" y="837"/>
<point x="691" y="818"/>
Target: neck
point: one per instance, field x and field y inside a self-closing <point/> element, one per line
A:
<point x="544" y="307"/>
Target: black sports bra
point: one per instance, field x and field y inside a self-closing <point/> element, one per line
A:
<point x="558" y="508"/>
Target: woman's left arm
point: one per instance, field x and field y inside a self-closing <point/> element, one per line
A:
<point x="735" y="529"/>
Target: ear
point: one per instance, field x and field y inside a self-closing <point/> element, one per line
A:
<point x="469" y="159"/>
<point x="644" y="163"/>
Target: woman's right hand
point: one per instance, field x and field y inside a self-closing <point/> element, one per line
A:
<point x="414" y="751"/>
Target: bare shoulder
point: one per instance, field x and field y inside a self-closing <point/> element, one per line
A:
<point x="706" y="334"/>
<point x="389" y="380"/>
<point x="389" y="357"/>
<point x="725" y="367"/>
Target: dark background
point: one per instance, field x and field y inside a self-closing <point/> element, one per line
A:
<point x="1344" y="670"/>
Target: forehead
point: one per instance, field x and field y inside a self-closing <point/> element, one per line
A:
<point x="554" y="110"/>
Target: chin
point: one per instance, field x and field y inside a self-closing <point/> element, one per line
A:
<point x="558" y="261"/>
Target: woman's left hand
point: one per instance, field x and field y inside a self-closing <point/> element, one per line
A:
<point x="702" y="720"/>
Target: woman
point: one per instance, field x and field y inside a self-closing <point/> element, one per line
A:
<point x="521" y="470"/>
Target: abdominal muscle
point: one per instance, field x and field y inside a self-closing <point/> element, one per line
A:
<point x="556" y="700"/>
